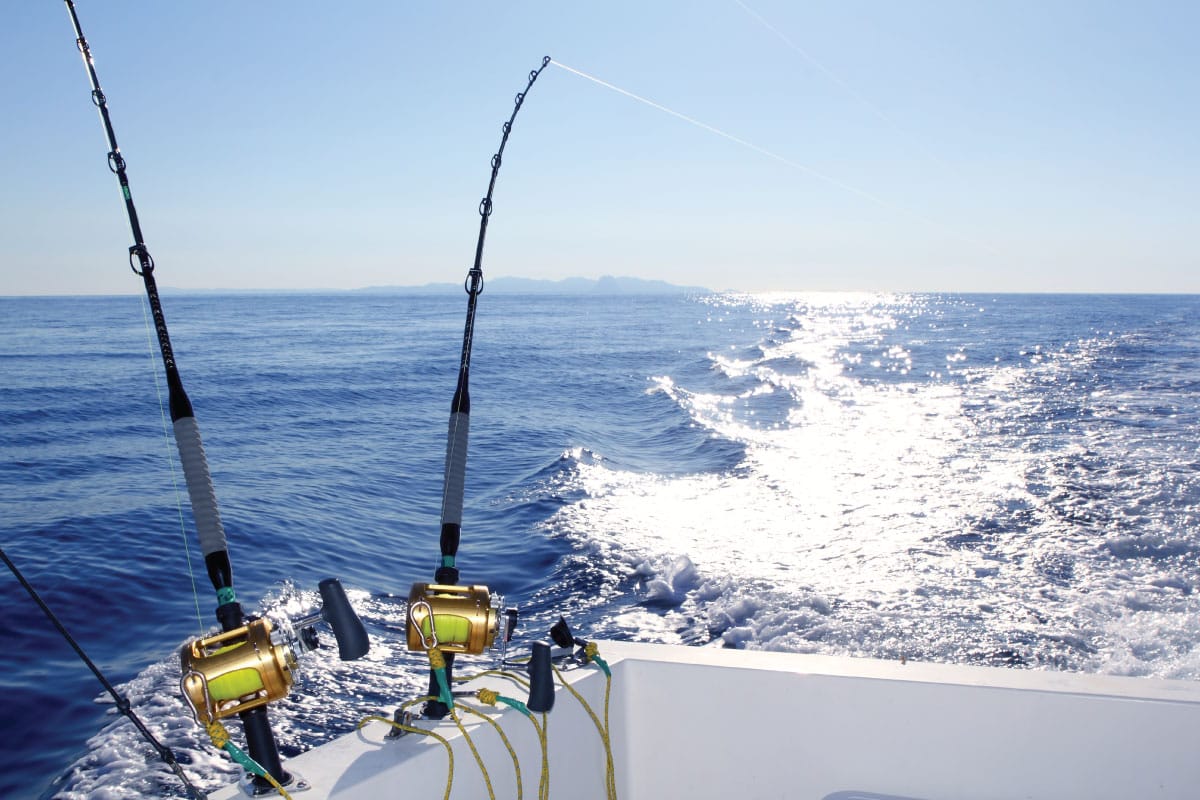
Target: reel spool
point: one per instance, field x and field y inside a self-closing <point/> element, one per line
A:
<point x="236" y="671"/>
<point x="455" y="619"/>
<point x="247" y="667"/>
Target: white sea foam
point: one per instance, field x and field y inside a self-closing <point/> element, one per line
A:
<point x="926" y="518"/>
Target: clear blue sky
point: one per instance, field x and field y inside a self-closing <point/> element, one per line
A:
<point x="957" y="145"/>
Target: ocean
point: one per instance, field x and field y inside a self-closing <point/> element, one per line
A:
<point x="1008" y="480"/>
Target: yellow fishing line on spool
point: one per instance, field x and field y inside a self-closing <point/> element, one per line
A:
<point x="232" y="685"/>
<point x="448" y="627"/>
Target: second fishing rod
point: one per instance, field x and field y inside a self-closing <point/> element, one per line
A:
<point x="443" y="617"/>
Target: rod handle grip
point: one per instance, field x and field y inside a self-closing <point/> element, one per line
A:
<point x="541" y="679"/>
<point x="348" y="629"/>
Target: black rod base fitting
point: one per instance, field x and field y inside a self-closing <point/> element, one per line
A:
<point x="260" y="742"/>
<point x="230" y="616"/>
<point x="436" y="709"/>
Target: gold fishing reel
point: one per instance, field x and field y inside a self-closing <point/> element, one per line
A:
<point x="236" y="671"/>
<point x="455" y="619"/>
<point x="255" y="664"/>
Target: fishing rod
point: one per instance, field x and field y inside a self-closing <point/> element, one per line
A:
<point x="446" y="576"/>
<point x="123" y="705"/>
<point x="259" y="738"/>
<point x="460" y="405"/>
<point x="187" y="432"/>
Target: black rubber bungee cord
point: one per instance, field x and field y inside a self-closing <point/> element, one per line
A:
<point x="460" y="405"/>
<point x="123" y="705"/>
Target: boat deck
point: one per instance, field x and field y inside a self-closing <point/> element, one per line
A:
<point x="705" y="722"/>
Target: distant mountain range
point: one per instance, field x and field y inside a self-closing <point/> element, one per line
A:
<point x="605" y="285"/>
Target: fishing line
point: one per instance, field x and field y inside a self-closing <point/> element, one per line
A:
<point x="874" y="109"/>
<point x="781" y="159"/>
<point x="816" y="64"/>
<point x="162" y="410"/>
<point x="735" y="139"/>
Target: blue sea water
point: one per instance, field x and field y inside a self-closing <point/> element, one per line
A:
<point x="1007" y="480"/>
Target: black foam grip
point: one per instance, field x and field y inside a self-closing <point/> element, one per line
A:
<point x="347" y="627"/>
<point x="541" y="679"/>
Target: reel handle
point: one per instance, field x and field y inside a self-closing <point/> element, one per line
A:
<point x="541" y="679"/>
<point x="347" y="627"/>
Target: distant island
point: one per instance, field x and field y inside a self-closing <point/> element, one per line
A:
<point x="607" y="284"/>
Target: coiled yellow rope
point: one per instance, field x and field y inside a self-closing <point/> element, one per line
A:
<point x="487" y="779"/>
<point x="423" y="732"/>
<point x="503" y="738"/>
<point x="498" y="673"/>
<point x="491" y="697"/>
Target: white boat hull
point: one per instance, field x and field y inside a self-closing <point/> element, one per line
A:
<point x="705" y="722"/>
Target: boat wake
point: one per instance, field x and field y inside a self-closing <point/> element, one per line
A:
<point x="901" y="495"/>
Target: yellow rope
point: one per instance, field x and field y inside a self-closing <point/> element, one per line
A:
<point x="407" y="704"/>
<point x="610" y="772"/>
<point x="423" y="732"/>
<point x="216" y="731"/>
<point x="543" y="739"/>
<point x="437" y="662"/>
<point x="498" y="673"/>
<point x="487" y="779"/>
<point x="507" y="744"/>
<point x="449" y="749"/>
<point x="610" y="767"/>
<point x="490" y="697"/>
<point x="592" y="654"/>
<point x="436" y="659"/>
